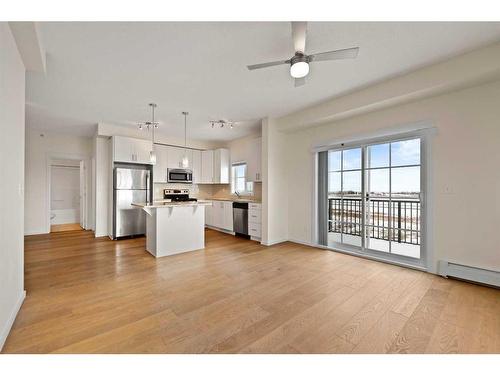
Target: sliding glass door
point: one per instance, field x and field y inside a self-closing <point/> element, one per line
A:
<point x="374" y="199"/>
<point x="344" y="196"/>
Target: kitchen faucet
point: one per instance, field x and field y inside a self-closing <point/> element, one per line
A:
<point x="237" y="194"/>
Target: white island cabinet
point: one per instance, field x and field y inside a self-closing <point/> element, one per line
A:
<point x="173" y="228"/>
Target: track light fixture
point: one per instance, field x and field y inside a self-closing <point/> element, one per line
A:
<point x="221" y="124"/>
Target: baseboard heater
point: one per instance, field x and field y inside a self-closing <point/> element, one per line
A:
<point x="478" y="275"/>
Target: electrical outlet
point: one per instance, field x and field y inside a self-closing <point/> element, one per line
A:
<point x="449" y="190"/>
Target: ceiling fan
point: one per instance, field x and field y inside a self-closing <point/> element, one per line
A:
<point x="299" y="63"/>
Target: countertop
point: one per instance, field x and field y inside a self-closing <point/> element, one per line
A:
<point x="244" y="200"/>
<point x="168" y="203"/>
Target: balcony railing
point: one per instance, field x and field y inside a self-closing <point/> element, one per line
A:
<point x="391" y="220"/>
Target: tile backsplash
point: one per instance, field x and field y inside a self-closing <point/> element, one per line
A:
<point x="205" y="191"/>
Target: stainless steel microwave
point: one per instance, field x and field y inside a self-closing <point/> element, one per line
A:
<point x="180" y="175"/>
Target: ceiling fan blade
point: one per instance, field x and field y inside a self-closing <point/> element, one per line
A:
<point x="299" y="31"/>
<point x="347" y="53"/>
<point x="300" y="81"/>
<point x="265" y="65"/>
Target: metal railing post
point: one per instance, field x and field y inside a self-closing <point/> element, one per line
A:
<point x="399" y="221"/>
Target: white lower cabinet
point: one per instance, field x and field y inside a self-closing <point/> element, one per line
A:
<point x="254" y="230"/>
<point x="255" y="220"/>
<point x="209" y="214"/>
<point x="220" y="215"/>
<point x="228" y="216"/>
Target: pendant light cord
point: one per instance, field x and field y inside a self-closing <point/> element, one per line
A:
<point x="153" y="123"/>
<point x="185" y="132"/>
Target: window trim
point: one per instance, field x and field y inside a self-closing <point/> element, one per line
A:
<point x="423" y="130"/>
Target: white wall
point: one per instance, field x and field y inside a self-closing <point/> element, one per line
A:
<point x="39" y="151"/>
<point x="102" y="186"/>
<point x="241" y="148"/>
<point x="12" y="101"/>
<point x="275" y="187"/>
<point x="465" y="170"/>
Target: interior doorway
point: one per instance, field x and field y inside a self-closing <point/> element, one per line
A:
<point x="67" y="195"/>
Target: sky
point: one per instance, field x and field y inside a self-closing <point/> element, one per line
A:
<point x="402" y="153"/>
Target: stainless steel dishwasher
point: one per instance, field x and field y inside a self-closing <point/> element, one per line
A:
<point x="240" y="218"/>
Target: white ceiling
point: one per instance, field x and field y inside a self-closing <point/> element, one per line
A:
<point x="109" y="72"/>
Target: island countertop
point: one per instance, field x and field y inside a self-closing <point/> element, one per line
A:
<point x="167" y="203"/>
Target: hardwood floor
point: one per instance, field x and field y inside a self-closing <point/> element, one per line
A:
<point x="65" y="227"/>
<point x="87" y="295"/>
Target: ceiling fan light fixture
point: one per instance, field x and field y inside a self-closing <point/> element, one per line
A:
<point x="299" y="69"/>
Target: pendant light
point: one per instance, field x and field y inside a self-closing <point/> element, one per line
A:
<point x="151" y="125"/>
<point x="185" y="160"/>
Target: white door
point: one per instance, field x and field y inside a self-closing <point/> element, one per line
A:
<point x="83" y="193"/>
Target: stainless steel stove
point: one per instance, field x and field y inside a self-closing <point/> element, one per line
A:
<point x="178" y="195"/>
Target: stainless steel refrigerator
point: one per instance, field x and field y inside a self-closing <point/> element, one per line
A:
<point x="131" y="183"/>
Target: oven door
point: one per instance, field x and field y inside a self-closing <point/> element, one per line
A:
<point x="180" y="175"/>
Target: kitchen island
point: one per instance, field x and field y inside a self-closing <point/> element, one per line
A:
<point x="174" y="227"/>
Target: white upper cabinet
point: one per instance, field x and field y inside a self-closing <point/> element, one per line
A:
<point x="215" y="166"/>
<point x="131" y="150"/>
<point x="221" y="166"/>
<point x="254" y="160"/>
<point x="160" y="168"/>
<point x="195" y="165"/>
<point x="175" y="155"/>
<point x="207" y="167"/>
<point x="171" y="157"/>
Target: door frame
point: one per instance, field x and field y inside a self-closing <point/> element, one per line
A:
<point x="427" y="260"/>
<point x="87" y="187"/>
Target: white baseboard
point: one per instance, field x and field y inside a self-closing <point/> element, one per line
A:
<point x="274" y="242"/>
<point x="219" y="229"/>
<point x="34" y="232"/>
<point x="8" y="324"/>
<point x="460" y="271"/>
